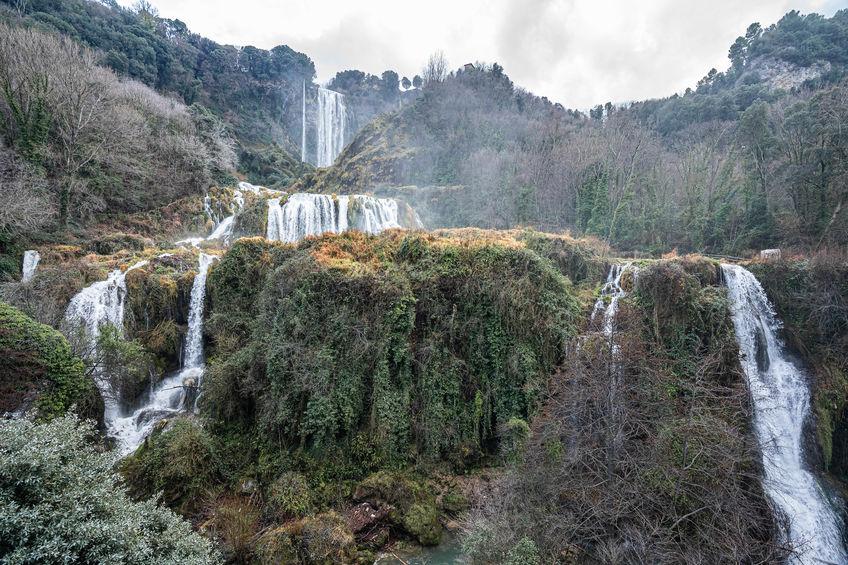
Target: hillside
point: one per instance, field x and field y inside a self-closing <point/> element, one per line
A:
<point x="495" y="331"/>
<point x="753" y="158"/>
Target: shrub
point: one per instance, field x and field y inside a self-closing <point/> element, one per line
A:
<point x="60" y="502"/>
<point x="178" y="460"/>
<point x="289" y="496"/>
<point x="236" y="523"/>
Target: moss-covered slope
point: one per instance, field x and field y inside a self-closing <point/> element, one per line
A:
<point x="380" y="351"/>
<point x="38" y="370"/>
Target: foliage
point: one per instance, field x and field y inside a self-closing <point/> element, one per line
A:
<point x="37" y="364"/>
<point x="177" y="460"/>
<point x="258" y="91"/>
<point x="289" y="496"/>
<point x="424" y="344"/>
<point x="133" y="150"/>
<point x="60" y="501"/>
<point x="643" y="451"/>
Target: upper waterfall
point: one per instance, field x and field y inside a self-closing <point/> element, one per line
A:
<point x="306" y="214"/>
<point x="781" y="403"/>
<point x="332" y="122"/>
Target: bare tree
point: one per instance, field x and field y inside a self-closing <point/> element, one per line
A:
<point x="436" y="69"/>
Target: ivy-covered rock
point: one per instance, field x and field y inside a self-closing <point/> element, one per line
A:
<point x="38" y="369"/>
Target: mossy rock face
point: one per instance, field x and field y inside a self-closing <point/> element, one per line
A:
<point x="115" y="242"/>
<point x="277" y="545"/>
<point x="39" y="370"/>
<point x="327" y="539"/>
<point x="390" y="339"/>
<point x="422" y="521"/>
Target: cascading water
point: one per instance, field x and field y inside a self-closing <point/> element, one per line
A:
<point x="89" y="310"/>
<point x="303" y="125"/>
<point x="612" y="289"/>
<point x="169" y="396"/>
<point x="781" y="402"/>
<point x="31" y="259"/>
<point x="313" y="214"/>
<point x="332" y="121"/>
<point x="224" y="229"/>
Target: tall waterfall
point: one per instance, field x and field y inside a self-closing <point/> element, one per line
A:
<point x="332" y="120"/>
<point x="303" y="125"/>
<point x="169" y="396"/>
<point x="781" y="402"/>
<point x="31" y="259"/>
<point x="89" y="310"/>
<point x="313" y="214"/>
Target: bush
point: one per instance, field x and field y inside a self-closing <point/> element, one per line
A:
<point x="289" y="496"/>
<point x="236" y="522"/>
<point x="60" y="502"/>
<point x="179" y="461"/>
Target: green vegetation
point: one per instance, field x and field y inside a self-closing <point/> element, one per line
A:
<point x="753" y="158"/>
<point x="60" y="502"/>
<point x="39" y="369"/>
<point x="452" y="338"/>
<point x="177" y="460"/>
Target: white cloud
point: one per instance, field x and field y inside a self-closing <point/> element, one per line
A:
<point x="577" y="52"/>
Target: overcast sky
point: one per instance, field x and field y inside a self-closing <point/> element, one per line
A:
<point x="577" y="52"/>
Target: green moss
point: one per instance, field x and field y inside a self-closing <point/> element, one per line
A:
<point x="394" y="337"/>
<point x="37" y="364"/>
<point x="422" y="521"/>
<point x="412" y="503"/>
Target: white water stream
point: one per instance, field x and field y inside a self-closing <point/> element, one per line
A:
<point x="304" y="215"/>
<point x="31" y="259"/>
<point x="781" y="403"/>
<point x="332" y="123"/>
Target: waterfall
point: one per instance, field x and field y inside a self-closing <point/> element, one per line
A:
<point x="303" y="126"/>
<point x="89" y="310"/>
<point x="781" y="403"/>
<point x="612" y="289"/>
<point x="332" y="119"/>
<point x="313" y="214"/>
<point x="224" y="229"/>
<point x="170" y="394"/>
<point x="31" y="259"/>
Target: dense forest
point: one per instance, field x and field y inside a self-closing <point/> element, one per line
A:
<point x="494" y="330"/>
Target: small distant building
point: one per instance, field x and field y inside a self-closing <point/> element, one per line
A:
<point x="469" y="66"/>
<point x="770" y="254"/>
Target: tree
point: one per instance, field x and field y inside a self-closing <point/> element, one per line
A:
<point x="389" y="84"/>
<point x="436" y="69"/>
<point x="61" y="501"/>
<point x="417" y="81"/>
<point x="405" y="83"/>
